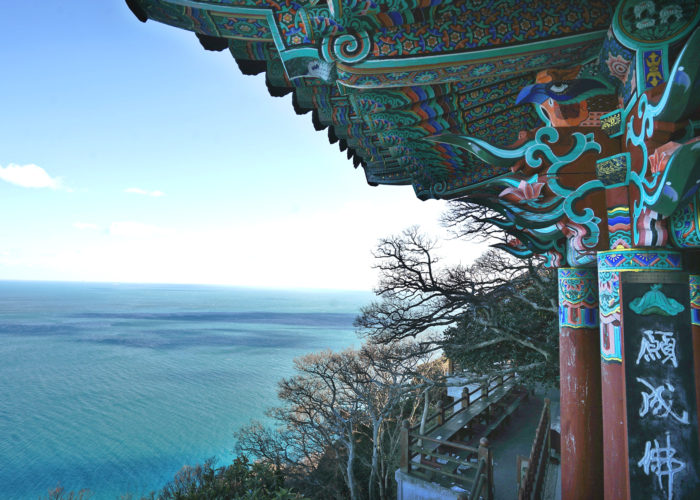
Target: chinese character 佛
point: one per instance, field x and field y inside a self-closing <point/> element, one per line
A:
<point x="662" y="463"/>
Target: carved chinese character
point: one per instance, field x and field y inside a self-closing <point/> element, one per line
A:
<point x="662" y="463"/>
<point x="654" y="401"/>
<point x="658" y="346"/>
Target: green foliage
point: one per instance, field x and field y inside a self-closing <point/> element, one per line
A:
<point x="240" y="480"/>
<point x="512" y="320"/>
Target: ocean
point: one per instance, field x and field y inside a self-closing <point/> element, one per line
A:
<point x="114" y="387"/>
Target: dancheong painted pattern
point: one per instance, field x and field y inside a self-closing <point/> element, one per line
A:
<point x="542" y="110"/>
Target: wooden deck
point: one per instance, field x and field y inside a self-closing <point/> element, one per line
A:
<point x="455" y="451"/>
<point x="480" y="419"/>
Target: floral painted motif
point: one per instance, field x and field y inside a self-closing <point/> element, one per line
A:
<point x="525" y="191"/>
<point x="578" y="298"/>
<point x="616" y="63"/>
<point x="618" y="66"/>
<point x="656" y="21"/>
<point x="474" y="25"/>
<point x="685" y="224"/>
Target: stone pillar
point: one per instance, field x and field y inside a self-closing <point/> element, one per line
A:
<point x="649" y="412"/>
<point x="579" y="368"/>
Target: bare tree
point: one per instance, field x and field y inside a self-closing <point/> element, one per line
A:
<point x="498" y="304"/>
<point x="345" y="408"/>
<point x="382" y="377"/>
<point x="315" y="418"/>
<point x="476" y="222"/>
<point x="319" y="402"/>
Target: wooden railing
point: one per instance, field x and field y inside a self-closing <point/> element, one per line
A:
<point x="483" y="480"/>
<point x="446" y="412"/>
<point x="531" y="485"/>
<point x="459" y="466"/>
<point x="438" y="456"/>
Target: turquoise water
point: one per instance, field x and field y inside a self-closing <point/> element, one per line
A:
<point x="115" y="387"/>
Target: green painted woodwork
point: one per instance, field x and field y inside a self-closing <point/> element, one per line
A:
<point x="655" y="302"/>
<point x="529" y="108"/>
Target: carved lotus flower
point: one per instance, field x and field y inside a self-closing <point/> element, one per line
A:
<point x="525" y="191"/>
<point x="659" y="158"/>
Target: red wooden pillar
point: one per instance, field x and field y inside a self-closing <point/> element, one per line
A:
<point x="612" y="387"/>
<point x="579" y="365"/>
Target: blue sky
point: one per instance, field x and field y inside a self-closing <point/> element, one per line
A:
<point x="128" y="153"/>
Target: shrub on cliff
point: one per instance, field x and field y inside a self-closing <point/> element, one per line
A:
<point x="241" y="480"/>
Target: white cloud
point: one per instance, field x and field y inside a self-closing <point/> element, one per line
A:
<point x="85" y="225"/>
<point x="317" y="249"/>
<point x="135" y="190"/>
<point x="30" y="176"/>
<point x="131" y="229"/>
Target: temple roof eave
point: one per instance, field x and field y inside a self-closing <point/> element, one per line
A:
<point x="383" y="124"/>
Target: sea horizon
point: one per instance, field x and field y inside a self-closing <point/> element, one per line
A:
<point x="176" y="283"/>
<point x="114" y="387"/>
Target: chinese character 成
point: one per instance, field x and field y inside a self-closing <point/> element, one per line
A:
<point x="654" y="401"/>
